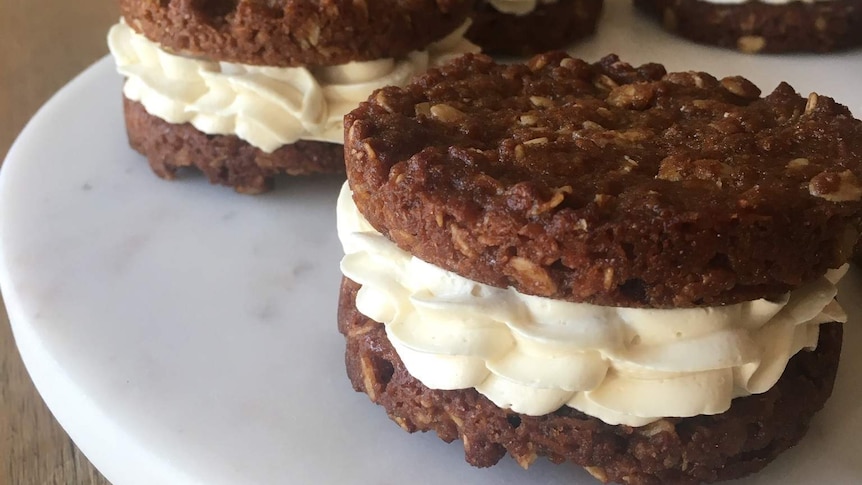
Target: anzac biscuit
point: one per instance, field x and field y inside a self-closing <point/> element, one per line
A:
<point x="610" y="184"/>
<point x="603" y="264"/>
<point x="294" y="33"/>
<point x="699" y="449"/>
<point x="552" y="25"/>
<point x="247" y="89"/>
<point x="752" y="26"/>
<point x="224" y="159"/>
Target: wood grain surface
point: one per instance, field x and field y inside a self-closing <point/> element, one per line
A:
<point x="43" y="44"/>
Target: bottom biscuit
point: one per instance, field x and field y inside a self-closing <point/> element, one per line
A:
<point x="224" y="159"/>
<point x="550" y="26"/>
<point x="676" y="450"/>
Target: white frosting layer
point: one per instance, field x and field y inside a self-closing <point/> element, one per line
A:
<point x="517" y="7"/>
<point x="531" y="354"/>
<point x="266" y="106"/>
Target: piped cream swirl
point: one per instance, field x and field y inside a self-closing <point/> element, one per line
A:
<point x="533" y="355"/>
<point x="266" y="106"/>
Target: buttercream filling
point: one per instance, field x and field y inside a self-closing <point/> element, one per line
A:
<point x="266" y="106"/>
<point x="534" y="355"/>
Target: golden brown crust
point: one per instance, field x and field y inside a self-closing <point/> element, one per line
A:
<point x="670" y="451"/>
<point x="550" y="26"/>
<point x="224" y="159"/>
<point x="754" y="27"/>
<point x="296" y="32"/>
<point x="609" y="184"/>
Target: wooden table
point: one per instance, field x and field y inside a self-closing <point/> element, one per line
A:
<point x="43" y="44"/>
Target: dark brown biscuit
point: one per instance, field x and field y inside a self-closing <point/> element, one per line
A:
<point x="857" y="253"/>
<point x="224" y="159"/>
<point x="297" y="32"/>
<point x="759" y="27"/>
<point x="549" y="26"/>
<point x="691" y="450"/>
<point x="609" y="184"/>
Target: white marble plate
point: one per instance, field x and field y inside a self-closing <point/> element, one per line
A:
<point x="185" y="334"/>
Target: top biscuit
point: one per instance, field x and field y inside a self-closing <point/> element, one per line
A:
<point x="763" y="26"/>
<point x="610" y="184"/>
<point x="294" y="33"/>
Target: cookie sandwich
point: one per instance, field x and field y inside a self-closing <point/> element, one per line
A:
<point x="615" y="266"/>
<point x="754" y="26"/>
<point x="245" y="90"/>
<point x="526" y="27"/>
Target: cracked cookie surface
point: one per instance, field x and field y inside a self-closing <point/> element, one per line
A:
<point x="607" y="183"/>
<point x="550" y="26"/>
<point x="292" y="33"/>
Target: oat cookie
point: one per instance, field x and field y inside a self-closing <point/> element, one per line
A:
<point x="600" y="263"/>
<point x="294" y="33"/>
<point x="550" y="25"/>
<point x="609" y="183"/>
<point x="752" y="26"/>
<point x="670" y="451"/>
<point x="224" y="159"/>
